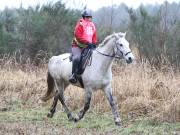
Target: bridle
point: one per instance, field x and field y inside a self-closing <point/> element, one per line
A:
<point x="114" y="55"/>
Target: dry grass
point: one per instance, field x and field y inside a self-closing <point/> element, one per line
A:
<point x="139" y="90"/>
<point x="142" y="90"/>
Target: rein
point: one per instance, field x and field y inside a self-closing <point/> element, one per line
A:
<point x="114" y="54"/>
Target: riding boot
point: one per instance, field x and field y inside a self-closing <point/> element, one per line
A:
<point x="73" y="78"/>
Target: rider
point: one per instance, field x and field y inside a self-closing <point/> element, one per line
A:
<point x="84" y="36"/>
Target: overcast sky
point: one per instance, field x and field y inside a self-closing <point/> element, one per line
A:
<point x="91" y="4"/>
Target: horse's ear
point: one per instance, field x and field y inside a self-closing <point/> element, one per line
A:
<point x="115" y="35"/>
<point x="122" y="34"/>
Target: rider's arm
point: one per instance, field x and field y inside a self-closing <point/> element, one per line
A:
<point x="94" y="38"/>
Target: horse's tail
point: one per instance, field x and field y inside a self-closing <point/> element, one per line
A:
<point x="50" y="90"/>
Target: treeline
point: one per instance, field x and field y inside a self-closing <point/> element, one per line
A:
<point x="157" y="35"/>
<point x="47" y="30"/>
<point x="37" y="31"/>
<point x="154" y="30"/>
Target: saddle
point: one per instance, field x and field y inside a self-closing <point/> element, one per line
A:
<point x="84" y="61"/>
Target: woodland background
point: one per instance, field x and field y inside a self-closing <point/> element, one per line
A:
<point x="46" y="30"/>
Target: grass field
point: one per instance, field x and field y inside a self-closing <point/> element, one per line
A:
<point x="20" y="120"/>
<point x="148" y="100"/>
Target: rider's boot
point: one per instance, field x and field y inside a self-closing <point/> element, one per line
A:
<point x="73" y="78"/>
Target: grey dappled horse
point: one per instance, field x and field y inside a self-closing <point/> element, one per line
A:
<point x="96" y="76"/>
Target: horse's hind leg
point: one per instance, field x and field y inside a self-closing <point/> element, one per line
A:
<point x="69" y="115"/>
<point x="61" y="85"/>
<point x="53" y="107"/>
<point x="88" y="94"/>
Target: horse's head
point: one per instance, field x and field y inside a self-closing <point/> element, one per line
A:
<point x="121" y="47"/>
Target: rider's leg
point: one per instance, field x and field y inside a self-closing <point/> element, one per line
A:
<point x="76" y="52"/>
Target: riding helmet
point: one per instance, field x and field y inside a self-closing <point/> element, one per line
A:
<point x="86" y="13"/>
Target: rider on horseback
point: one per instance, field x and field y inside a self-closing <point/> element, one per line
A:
<point x="84" y="36"/>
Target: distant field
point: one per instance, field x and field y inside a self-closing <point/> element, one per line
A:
<point x="148" y="100"/>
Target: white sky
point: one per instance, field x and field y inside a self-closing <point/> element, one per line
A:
<point x="91" y="4"/>
<point x="95" y="4"/>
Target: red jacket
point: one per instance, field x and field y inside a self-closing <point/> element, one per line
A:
<point x="84" y="32"/>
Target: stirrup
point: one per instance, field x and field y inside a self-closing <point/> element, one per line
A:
<point x="73" y="79"/>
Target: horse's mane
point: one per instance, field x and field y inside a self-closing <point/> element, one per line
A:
<point x="106" y="40"/>
<point x="110" y="37"/>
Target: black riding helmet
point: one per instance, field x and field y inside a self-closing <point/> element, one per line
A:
<point x="86" y="13"/>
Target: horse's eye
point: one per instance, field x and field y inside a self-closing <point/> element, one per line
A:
<point x="121" y="44"/>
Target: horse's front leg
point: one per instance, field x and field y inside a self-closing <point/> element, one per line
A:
<point x="108" y="93"/>
<point x="88" y="94"/>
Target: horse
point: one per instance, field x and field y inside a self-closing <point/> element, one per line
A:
<point x="96" y="76"/>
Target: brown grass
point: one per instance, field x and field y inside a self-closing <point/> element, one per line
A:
<point x="138" y="89"/>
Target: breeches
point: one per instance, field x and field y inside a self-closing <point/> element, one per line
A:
<point x="76" y="52"/>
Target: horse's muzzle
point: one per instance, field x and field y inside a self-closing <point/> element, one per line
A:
<point x="129" y="60"/>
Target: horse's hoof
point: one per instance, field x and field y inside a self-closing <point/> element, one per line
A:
<point x="76" y="120"/>
<point x="117" y="121"/>
<point x="49" y="115"/>
<point x="70" y="118"/>
<point x="118" y="124"/>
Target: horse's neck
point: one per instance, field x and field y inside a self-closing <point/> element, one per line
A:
<point x="104" y="62"/>
<point x="106" y="49"/>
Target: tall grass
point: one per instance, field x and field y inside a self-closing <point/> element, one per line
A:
<point x="138" y="89"/>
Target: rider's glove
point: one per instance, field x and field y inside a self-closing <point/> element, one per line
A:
<point x="91" y="46"/>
